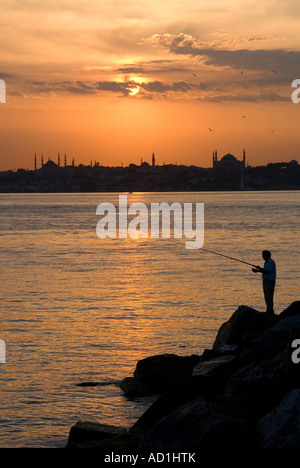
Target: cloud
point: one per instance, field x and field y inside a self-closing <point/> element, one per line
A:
<point x="4" y="75"/>
<point x="240" y="59"/>
<point x="152" y="67"/>
<point x="120" y="87"/>
<point x="213" y="91"/>
<point x="260" y="97"/>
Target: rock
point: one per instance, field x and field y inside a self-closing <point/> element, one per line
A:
<point x="242" y="393"/>
<point x="242" y="407"/>
<point x="244" y="324"/>
<point x="155" y="374"/>
<point x="220" y="351"/>
<point x="84" y="431"/>
<point x="290" y="311"/>
<point x="256" y="377"/>
<point x="274" y="339"/>
<point x="281" y="427"/>
<point x="170" y="400"/>
<point x="229" y="349"/>
<point x="209" y="376"/>
<point x="134" y="387"/>
<point x="198" y="424"/>
<point x="213" y="366"/>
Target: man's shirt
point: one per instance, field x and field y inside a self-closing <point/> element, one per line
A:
<point x="269" y="265"/>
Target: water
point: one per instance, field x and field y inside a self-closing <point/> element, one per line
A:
<point x="75" y="308"/>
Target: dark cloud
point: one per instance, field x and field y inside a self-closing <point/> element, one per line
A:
<point x="260" y="97"/>
<point x="216" y="91"/>
<point x="256" y="60"/>
<point x="4" y="75"/>
<point x="182" y="86"/>
<point x="153" y="67"/>
<point x="112" y="86"/>
<point x="156" y="87"/>
<point x="240" y="59"/>
<point x="69" y="87"/>
<point x="123" y="87"/>
<point x="230" y="98"/>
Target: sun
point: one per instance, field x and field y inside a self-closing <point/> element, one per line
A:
<point x="134" y="91"/>
<point x="136" y="81"/>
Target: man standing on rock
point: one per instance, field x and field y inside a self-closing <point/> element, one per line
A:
<point x="269" y="280"/>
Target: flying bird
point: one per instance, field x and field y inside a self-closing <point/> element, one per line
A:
<point x="194" y="74"/>
<point x="210" y="129"/>
<point x="244" y="116"/>
<point x="274" y="71"/>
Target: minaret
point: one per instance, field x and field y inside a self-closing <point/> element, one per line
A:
<point x="215" y="158"/>
<point x="35" y="162"/>
<point x="42" y="160"/>
<point x="65" y="160"/>
<point x="58" y="160"/>
<point x="153" y="160"/>
<point x="244" y="158"/>
<point x="73" y="162"/>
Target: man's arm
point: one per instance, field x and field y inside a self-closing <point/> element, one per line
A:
<point x="259" y="269"/>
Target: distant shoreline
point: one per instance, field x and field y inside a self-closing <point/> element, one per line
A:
<point x="232" y="176"/>
<point x="147" y="191"/>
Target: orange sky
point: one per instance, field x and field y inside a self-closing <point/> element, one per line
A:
<point x="114" y="81"/>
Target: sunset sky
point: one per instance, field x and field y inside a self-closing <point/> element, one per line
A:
<point x="115" y="81"/>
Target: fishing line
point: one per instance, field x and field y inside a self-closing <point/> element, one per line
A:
<point x="226" y="256"/>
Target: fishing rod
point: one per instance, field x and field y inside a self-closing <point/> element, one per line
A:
<point x="226" y="256"/>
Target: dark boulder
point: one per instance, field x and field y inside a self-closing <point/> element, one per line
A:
<point x="156" y="374"/>
<point x="198" y="424"/>
<point x="209" y="376"/>
<point x="274" y="339"/>
<point x="242" y="327"/>
<point x="220" y="351"/>
<point x="281" y="427"/>
<point x="165" y="404"/>
<point x="292" y="309"/>
<point x="242" y="393"/>
<point x="264" y="381"/>
<point x="84" y="431"/>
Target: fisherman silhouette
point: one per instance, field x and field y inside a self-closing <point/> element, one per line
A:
<point x="269" y="280"/>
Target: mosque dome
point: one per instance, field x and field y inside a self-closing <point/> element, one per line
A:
<point x="229" y="158"/>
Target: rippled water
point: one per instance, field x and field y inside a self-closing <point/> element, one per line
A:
<point x="75" y="308"/>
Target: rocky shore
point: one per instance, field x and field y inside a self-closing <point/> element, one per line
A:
<point x="244" y="392"/>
